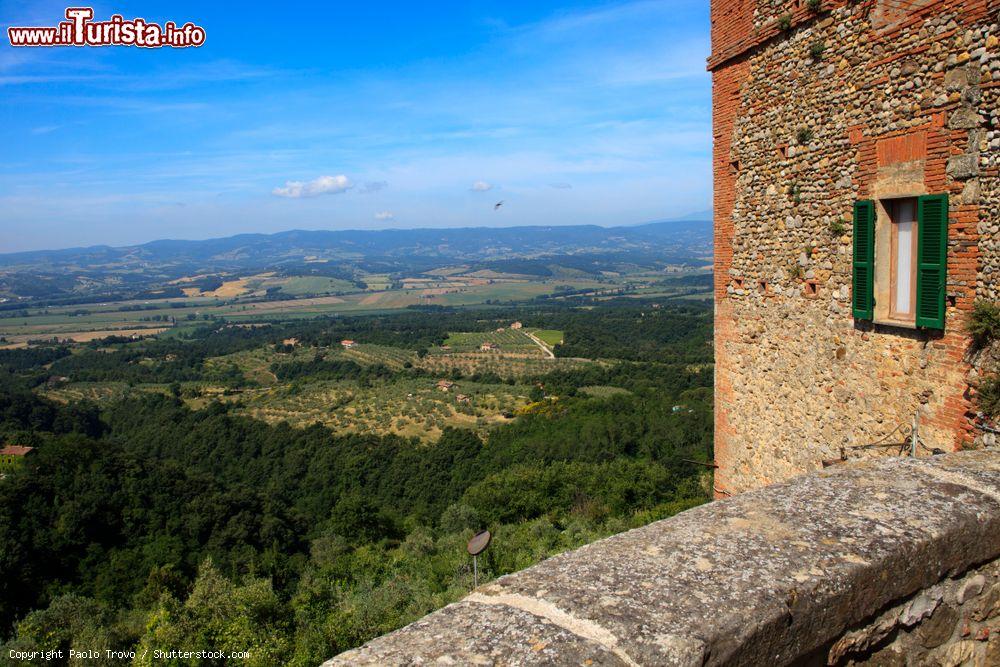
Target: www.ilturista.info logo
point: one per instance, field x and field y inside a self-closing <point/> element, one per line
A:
<point x="81" y="30"/>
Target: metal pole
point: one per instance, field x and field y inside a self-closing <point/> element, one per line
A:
<point x="475" y="572"/>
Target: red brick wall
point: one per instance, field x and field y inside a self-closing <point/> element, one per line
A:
<point x="726" y="85"/>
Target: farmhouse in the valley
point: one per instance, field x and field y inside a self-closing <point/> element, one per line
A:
<point x="347" y="344"/>
<point x="857" y="205"/>
<point x="516" y="325"/>
<point x="12" y="457"/>
<point x="489" y="346"/>
<point x="445" y="385"/>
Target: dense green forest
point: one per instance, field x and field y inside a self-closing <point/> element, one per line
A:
<point x="143" y="523"/>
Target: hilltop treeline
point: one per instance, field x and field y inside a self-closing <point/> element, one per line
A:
<point x="635" y="333"/>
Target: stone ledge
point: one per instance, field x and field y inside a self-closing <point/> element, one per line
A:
<point x="768" y="577"/>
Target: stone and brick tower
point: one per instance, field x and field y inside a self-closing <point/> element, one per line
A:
<point x="857" y="221"/>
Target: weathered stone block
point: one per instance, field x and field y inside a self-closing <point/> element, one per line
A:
<point x="955" y="655"/>
<point x="964" y="118"/>
<point x="971" y="193"/>
<point x="890" y="656"/>
<point x="992" y="655"/>
<point x="939" y="627"/>
<point x="970" y="589"/>
<point x="921" y="607"/>
<point x="956" y="80"/>
<point x="963" y="166"/>
<point x="988" y="606"/>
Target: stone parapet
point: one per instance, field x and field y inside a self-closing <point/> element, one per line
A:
<point x="840" y="567"/>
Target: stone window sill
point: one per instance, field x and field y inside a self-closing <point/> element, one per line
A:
<point x="899" y="324"/>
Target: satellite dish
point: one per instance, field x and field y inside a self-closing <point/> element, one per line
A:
<point x="479" y="542"/>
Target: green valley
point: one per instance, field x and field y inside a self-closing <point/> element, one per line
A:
<point x="319" y="475"/>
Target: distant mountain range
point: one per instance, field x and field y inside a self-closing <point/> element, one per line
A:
<point x="105" y="272"/>
<point x="464" y="244"/>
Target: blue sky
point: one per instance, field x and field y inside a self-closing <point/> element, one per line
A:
<point x="342" y="115"/>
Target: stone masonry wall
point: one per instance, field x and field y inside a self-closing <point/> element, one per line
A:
<point x="857" y="100"/>
<point x="956" y="622"/>
<point x="988" y="284"/>
<point x="884" y="562"/>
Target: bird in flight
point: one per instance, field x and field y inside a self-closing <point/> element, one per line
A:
<point x="498" y="205"/>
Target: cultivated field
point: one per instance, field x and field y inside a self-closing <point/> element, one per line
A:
<point x="71" y="322"/>
<point x="410" y="403"/>
<point x="508" y="340"/>
<point x="22" y="340"/>
<point x="411" y="407"/>
<point x="550" y="337"/>
<point x="506" y="366"/>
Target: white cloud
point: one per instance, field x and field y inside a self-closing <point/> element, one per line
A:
<point x="324" y="185"/>
<point x="481" y="186"/>
<point x="561" y="186"/>
<point x="384" y="215"/>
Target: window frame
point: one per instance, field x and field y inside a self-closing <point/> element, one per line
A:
<point x="875" y="233"/>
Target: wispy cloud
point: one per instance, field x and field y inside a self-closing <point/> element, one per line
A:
<point x="561" y="186"/>
<point x="137" y="105"/>
<point x="373" y="186"/>
<point x="47" y="78"/>
<point x="481" y="186"/>
<point x="324" y="185"/>
<point x="44" y="66"/>
<point x="385" y="215"/>
<point x="201" y="74"/>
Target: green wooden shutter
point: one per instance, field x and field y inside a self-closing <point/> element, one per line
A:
<point x="864" y="260"/>
<point x="932" y="260"/>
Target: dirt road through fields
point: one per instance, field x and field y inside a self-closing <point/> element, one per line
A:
<point x="540" y="344"/>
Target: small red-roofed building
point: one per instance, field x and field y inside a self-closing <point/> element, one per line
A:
<point x="12" y="457"/>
